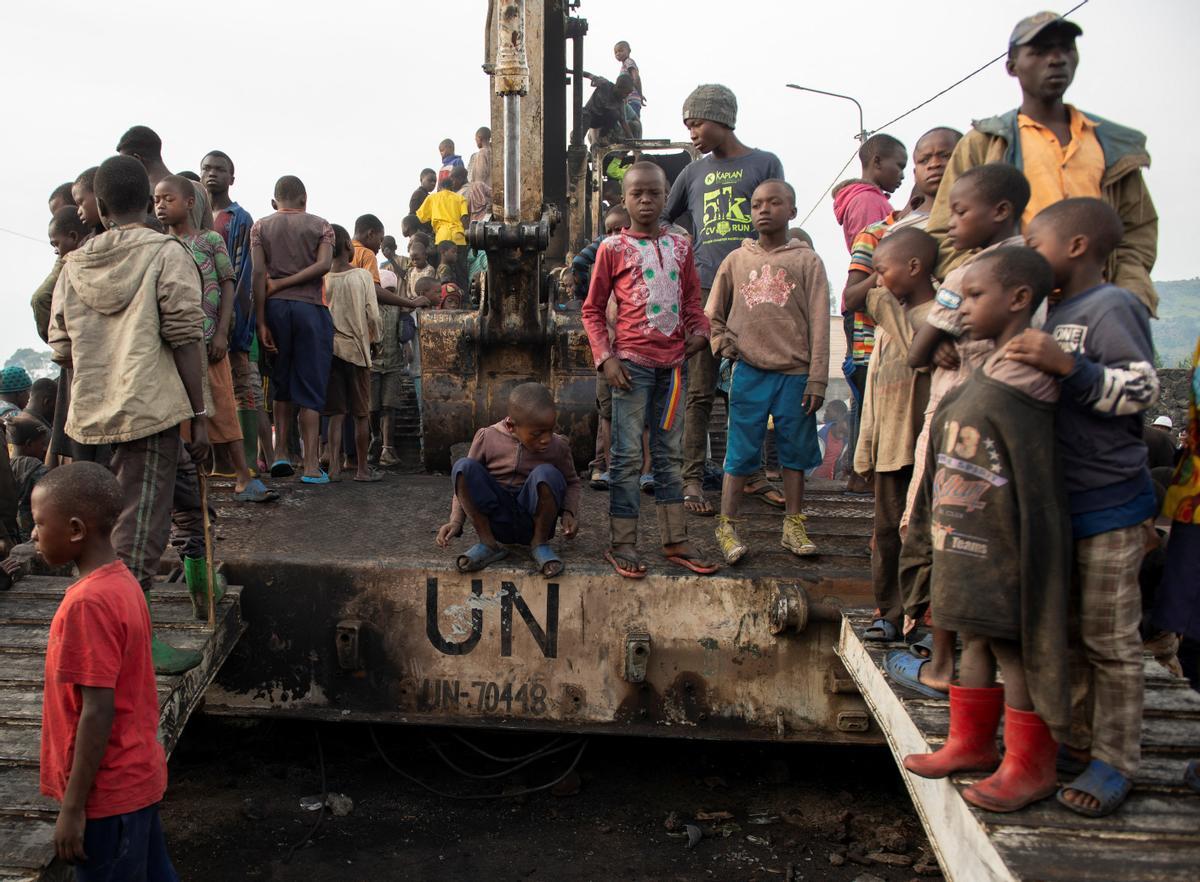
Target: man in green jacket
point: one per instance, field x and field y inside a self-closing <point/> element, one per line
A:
<point x="1062" y="151"/>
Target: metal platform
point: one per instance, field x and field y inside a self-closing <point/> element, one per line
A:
<point x="1153" y="837"/>
<point x="26" y="817"/>
<point x="354" y="613"/>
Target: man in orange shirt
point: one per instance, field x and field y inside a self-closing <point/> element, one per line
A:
<point x="1063" y="151"/>
<point x="368" y="237"/>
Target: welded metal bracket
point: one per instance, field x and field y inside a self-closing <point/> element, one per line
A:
<point x="637" y="656"/>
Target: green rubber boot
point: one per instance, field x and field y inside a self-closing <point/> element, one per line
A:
<point x="167" y="658"/>
<point x="248" y="420"/>
<point x="195" y="572"/>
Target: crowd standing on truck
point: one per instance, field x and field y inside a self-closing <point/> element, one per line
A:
<point x="999" y="356"/>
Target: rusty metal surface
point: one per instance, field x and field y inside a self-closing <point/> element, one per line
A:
<point x="354" y="613"/>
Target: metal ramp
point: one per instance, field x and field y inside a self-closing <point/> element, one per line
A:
<point x="1153" y="837"/>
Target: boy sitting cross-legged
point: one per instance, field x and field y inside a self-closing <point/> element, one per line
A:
<point x="517" y="480"/>
<point x="100" y="756"/>
<point x="988" y="547"/>
<point x="768" y="309"/>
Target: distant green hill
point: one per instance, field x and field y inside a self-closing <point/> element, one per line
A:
<point x="1178" y="322"/>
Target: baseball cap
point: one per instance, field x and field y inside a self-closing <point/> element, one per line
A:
<point x="1028" y="28"/>
<point x="1164" y="421"/>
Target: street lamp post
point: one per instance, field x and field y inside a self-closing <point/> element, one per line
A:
<point x="863" y="134"/>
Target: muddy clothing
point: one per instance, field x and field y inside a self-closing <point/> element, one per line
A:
<point x="770" y="309"/>
<point x="988" y="548"/>
<point x="997" y="139"/>
<point x="26" y="472"/>
<point x="511" y="464"/>
<point x="124" y="301"/>
<point x="716" y="193"/>
<point x="290" y="239"/>
<point x="355" y="312"/>
<point x="42" y="297"/>
<point x="856" y="206"/>
<point x="896" y="395"/>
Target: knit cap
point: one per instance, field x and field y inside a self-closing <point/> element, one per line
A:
<point x="14" y="378"/>
<point x="712" y="102"/>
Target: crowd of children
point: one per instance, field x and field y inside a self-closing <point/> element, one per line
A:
<point x="1001" y="314"/>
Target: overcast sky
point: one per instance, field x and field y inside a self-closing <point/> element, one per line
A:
<point x="355" y="99"/>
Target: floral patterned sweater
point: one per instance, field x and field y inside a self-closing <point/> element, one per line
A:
<point x="770" y="309"/>
<point x="654" y="282"/>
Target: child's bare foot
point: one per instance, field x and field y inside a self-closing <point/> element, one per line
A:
<point x="626" y="561"/>
<point x="684" y="555"/>
<point x="694" y="501"/>
<point x="933" y="678"/>
<point x="368" y="475"/>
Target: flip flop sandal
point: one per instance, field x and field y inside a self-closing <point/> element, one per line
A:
<point x="696" y="564"/>
<point x="646" y="483"/>
<point x="1191" y="775"/>
<point x="256" y="491"/>
<point x="308" y="479"/>
<point x="479" y="556"/>
<point x="764" y="492"/>
<point x="599" y="480"/>
<point x="905" y="669"/>
<point x="694" y="499"/>
<point x="620" y="563"/>
<point x="1101" y="782"/>
<point x="881" y="631"/>
<point x="923" y="648"/>
<point x="549" y="564"/>
<point x="281" y="468"/>
<point x="373" y="476"/>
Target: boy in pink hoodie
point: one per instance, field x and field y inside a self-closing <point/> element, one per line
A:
<point x="858" y="203"/>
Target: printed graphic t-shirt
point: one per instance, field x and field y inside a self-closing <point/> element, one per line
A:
<point x="717" y="193"/>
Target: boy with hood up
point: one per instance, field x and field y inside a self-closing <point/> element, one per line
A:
<point x="126" y="317"/>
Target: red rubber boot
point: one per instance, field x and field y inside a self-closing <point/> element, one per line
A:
<point x="1027" y="773"/>
<point x="971" y="745"/>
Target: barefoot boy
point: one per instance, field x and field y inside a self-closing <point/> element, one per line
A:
<point x="989" y="540"/>
<point x="100" y="756"/>
<point x="769" y="312"/>
<point x="893" y="402"/>
<point x="1097" y="339"/>
<point x="517" y="480"/>
<point x="660" y="322"/>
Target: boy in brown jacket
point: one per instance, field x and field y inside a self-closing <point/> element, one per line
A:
<point x="769" y="313"/>
<point x="125" y="287"/>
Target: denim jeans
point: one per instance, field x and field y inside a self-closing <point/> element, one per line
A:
<point x="652" y="390"/>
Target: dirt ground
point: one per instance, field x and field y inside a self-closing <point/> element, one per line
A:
<point x="765" y="812"/>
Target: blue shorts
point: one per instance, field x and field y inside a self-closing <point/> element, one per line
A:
<point x="510" y="512"/>
<point x="303" y="334"/>
<point x="755" y="395"/>
<point x="126" y="847"/>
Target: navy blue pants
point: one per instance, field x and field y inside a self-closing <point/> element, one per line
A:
<point x="126" y="848"/>
<point x="510" y="512"/>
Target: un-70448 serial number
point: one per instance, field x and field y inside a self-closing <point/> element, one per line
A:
<point x="483" y="696"/>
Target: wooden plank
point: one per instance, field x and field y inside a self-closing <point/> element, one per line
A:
<point x="1142" y="812"/>
<point x="1098" y="857"/>
<point x="173" y="610"/>
<point x="959" y="841"/>
<point x="23" y="843"/>
<point x="19" y="792"/>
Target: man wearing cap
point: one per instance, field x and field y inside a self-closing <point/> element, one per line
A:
<point x="1062" y="151"/>
<point x="15" y="384"/>
<point x="716" y="191"/>
<point x="1160" y="443"/>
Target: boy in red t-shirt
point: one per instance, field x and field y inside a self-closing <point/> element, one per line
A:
<point x="100" y="755"/>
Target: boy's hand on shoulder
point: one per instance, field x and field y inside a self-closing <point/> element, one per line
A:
<point x="1037" y="348"/>
<point x="570" y="525"/>
<point x="694" y="344"/>
<point x="945" y="356"/>
<point x="68" y="835"/>
<point x="448" y="531"/>
<point x="811" y="403"/>
<point x="614" y="373"/>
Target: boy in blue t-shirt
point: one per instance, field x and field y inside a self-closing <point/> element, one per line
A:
<point x="1097" y="339"/>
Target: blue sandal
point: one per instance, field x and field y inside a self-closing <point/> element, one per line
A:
<point x="881" y="631"/>
<point x="923" y="648"/>
<point x="281" y="468"/>
<point x="256" y="491"/>
<point x="1101" y="782"/>
<point x="905" y="669"/>
<point x="479" y="556"/>
<point x="322" y="479"/>
<point x="549" y="564"/>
